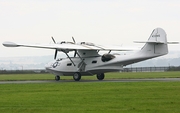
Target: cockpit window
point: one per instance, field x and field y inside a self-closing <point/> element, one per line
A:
<point x="107" y="57"/>
<point x="59" y="59"/>
<point x="88" y="43"/>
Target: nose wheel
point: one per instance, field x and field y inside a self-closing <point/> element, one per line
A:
<point x="57" y="77"/>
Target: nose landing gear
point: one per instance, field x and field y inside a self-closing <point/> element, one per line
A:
<point x="57" y="77"/>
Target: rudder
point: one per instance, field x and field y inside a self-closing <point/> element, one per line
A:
<point x="156" y="44"/>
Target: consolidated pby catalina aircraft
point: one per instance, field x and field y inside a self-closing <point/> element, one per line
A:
<point x="88" y="61"/>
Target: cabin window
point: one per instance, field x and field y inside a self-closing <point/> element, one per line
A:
<point x="69" y="64"/>
<point x="94" y="61"/>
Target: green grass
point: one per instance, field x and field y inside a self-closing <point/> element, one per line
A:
<point x="91" y="97"/>
<point x="95" y="97"/>
<point x="26" y="77"/>
<point x="174" y="74"/>
<point x="170" y="74"/>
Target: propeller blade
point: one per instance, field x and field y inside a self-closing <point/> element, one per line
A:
<point x="53" y="40"/>
<point x="75" y="52"/>
<point x="73" y="40"/>
<point x="55" y="55"/>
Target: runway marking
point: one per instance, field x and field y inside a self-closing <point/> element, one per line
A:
<point x="114" y="80"/>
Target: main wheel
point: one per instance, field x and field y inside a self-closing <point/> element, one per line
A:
<point x="77" y="76"/>
<point x="57" y="77"/>
<point x="100" y="76"/>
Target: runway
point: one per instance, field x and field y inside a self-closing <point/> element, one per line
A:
<point x="81" y="81"/>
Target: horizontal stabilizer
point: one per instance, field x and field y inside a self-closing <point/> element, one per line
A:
<point x="157" y="42"/>
<point x="172" y="42"/>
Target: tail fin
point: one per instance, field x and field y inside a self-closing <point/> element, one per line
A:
<point x="156" y="44"/>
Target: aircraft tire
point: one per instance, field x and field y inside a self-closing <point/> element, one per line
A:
<point x="57" y="77"/>
<point x="77" y="76"/>
<point x="100" y="76"/>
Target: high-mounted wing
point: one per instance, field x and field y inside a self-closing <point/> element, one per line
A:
<point x="69" y="46"/>
<point x="50" y="46"/>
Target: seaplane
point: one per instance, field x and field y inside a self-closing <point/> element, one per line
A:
<point x="87" y="59"/>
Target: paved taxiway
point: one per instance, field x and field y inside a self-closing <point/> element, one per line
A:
<point x="114" y="80"/>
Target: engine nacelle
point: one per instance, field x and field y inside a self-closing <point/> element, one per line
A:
<point x="88" y="43"/>
<point x="107" y="57"/>
<point x="64" y="42"/>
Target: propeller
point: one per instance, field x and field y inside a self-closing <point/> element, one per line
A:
<point x="55" y="55"/>
<point x="73" y="40"/>
<point x="75" y="51"/>
<point x="56" y="50"/>
<point x="53" y="40"/>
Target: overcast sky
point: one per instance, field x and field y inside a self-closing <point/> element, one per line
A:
<point x="107" y="22"/>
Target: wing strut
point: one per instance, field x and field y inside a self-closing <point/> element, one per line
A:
<point x="69" y="58"/>
<point x="82" y="64"/>
<point x="78" y="55"/>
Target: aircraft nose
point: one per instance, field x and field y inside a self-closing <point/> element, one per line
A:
<point x="52" y="64"/>
<point x="48" y="65"/>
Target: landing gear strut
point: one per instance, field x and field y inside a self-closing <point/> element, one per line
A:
<point x="100" y="76"/>
<point x="77" y="76"/>
<point x="57" y="77"/>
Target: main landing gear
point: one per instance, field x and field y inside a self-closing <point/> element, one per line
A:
<point x="77" y="76"/>
<point x="100" y="76"/>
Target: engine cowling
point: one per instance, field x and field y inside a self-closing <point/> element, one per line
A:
<point x="107" y="57"/>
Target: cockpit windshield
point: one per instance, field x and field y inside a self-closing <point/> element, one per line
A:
<point x="59" y="59"/>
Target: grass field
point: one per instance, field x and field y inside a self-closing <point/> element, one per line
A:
<point x="93" y="97"/>
<point x="173" y="74"/>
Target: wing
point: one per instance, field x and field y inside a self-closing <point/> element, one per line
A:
<point x="69" y="46"/>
